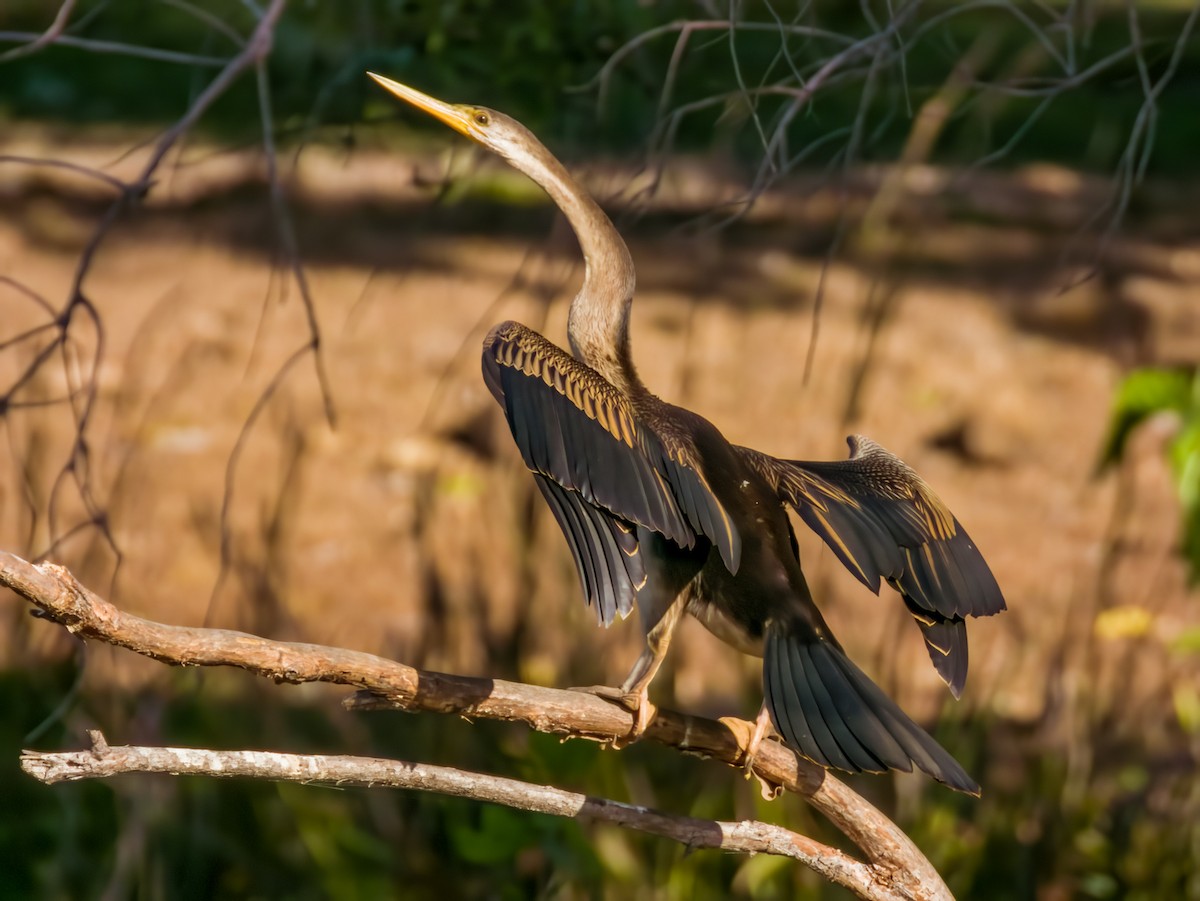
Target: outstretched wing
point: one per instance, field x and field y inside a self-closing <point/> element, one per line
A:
<point x="883" y="522"/>
<point x="605" y="549"/>
<point x="600" y="467"/>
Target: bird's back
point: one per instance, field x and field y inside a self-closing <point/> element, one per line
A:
<point x="769" y="584"/>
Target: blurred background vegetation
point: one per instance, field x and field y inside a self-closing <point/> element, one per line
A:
<point x="1032" y="167"/>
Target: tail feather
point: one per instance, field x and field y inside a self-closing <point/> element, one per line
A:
<point x="803" y="711"/>
<point x="847" y="708"/>
<point x="787" y="711"/>
<point x="826" y="708"/>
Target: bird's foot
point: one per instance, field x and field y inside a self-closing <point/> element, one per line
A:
<point x="749" y="738"/>
<point x="751" y="747"/>
<point x="636" y="702"/>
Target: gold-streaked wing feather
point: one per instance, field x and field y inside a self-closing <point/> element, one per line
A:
<point x="885" y="523"/>
<point x="576" y="430"/>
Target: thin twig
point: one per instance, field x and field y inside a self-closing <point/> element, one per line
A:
<point x="116" y="48"/>
<point x="86" y="171"/>
<point x="257" y="48"/>
<point x="215" y="22"/>
<point x="52" y="33"/>
<point x="823" y="74"/>
<point x="604" y="76"/>
<point x="287" y="237"/>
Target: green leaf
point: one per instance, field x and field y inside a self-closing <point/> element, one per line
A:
<point x="1143" y="393"/>
<point x="1185" y="463"/>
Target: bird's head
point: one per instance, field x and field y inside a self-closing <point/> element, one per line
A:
<point x="496" y="131"/>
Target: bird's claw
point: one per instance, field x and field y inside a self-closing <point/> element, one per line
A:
<point x="636" y="702"/>
<point x="743" y="734"/>
<point x="749" y="737"/>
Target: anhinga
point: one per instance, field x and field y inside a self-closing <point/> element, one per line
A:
<point x="658" y="508"/>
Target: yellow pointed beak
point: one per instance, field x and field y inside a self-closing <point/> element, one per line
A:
<point x="456" y="117"/>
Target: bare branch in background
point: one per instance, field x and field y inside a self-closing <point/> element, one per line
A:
<point x="604" y="77"/>
<point x="116" y="48"/>
<point x="35" y="43"/>
<point x="253" y="52"/>
<point x="844" y="60"/>
<point x="55" y="33"/>
<point x="893" y="860"/>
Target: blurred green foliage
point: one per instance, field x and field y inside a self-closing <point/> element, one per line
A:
<point x="1151" y="392"/>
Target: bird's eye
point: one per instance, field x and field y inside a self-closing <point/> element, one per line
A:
<point x="481" y="119"/>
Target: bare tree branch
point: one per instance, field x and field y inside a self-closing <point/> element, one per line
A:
<point x="117" y="48"/>
<point x="893" y="859"/>
<point x="602" y="78"/>
<point x="747" y="836"/>
<point x="36" y="42"/>
<point x="55" y="33"/>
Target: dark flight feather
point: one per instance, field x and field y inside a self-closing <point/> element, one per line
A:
<point x="605" y="549"/>
<point x="576" y="429"/>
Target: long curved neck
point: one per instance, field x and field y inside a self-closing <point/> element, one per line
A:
<point x="598" y="321"/>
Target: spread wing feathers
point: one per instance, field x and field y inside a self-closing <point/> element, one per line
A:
<point x="573" y="427"/>
<point x="605" y="549"/>
<point x="827" y="709"/>
<point x="883" y="522"/>
<point x="856" y="505"/>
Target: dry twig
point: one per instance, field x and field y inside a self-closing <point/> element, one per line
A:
<point x="895" y="868"/>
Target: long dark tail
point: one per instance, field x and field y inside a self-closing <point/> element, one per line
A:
<point x="826" y="708"/>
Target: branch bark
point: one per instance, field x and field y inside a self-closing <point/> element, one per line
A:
<point x="747" y="836"/>
<point x="897" y="869"/>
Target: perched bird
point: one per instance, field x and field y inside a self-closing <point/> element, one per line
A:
<point x="658" y="508"/>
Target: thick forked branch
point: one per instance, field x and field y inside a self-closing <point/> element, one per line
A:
<point x="897" y="867"/>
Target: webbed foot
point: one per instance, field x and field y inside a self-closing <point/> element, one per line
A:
<point x="749" y="737"/>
